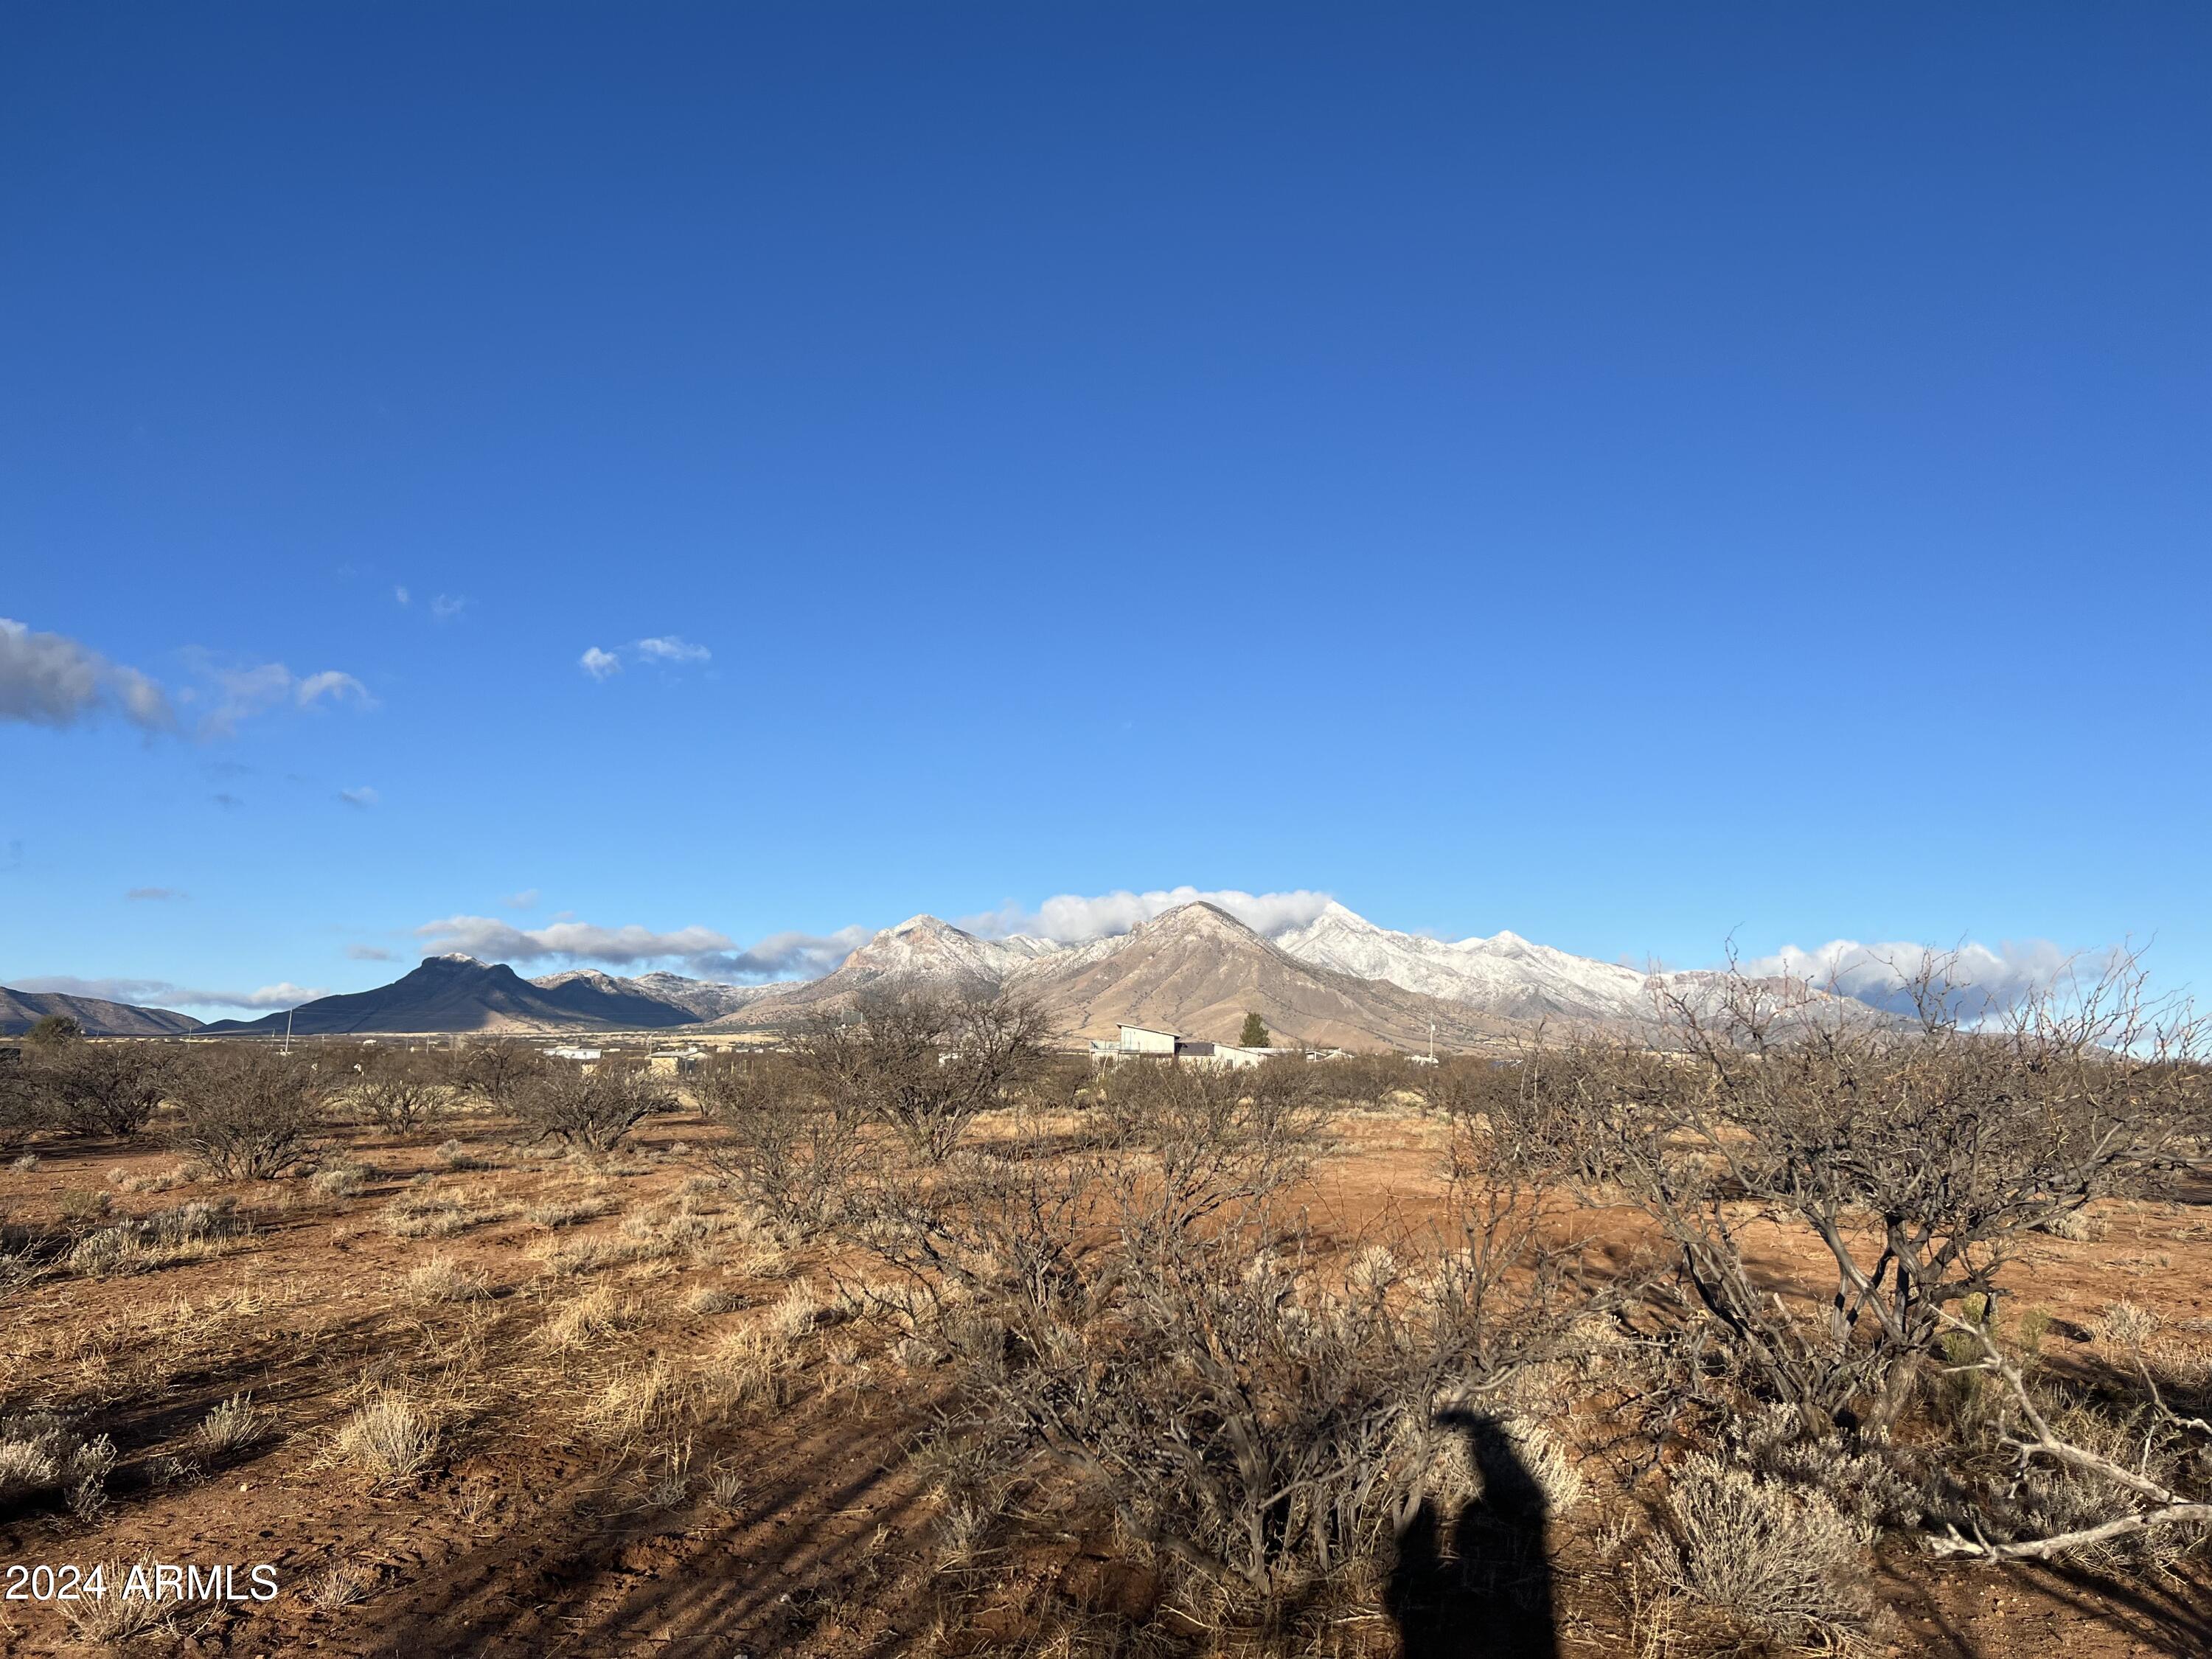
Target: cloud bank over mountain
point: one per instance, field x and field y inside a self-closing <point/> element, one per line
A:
<point x="1884" y="973"/>
<point x="703" y="951"/>
<point x="162" y="993"/>
<point x="1074" y="919"/>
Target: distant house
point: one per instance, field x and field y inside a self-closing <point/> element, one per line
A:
<point x="1147" y="1042"/>
<point x="567" y="1052"/>
<point x="680" y="1062"/>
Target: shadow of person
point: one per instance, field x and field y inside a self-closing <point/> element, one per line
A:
<point x="1478" y="1585"/>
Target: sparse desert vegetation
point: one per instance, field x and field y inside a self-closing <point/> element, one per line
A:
<point x="1804" y="1333"/>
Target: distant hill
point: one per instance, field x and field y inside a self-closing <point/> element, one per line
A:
<point x="460" y="994"/>
<point x="20" y="1010"/>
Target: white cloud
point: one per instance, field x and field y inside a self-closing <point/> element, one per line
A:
<point x="50" y="679"/>
<point x="284" y="995"/>
<point x="524" y="900"/>
<point x="162" y="994"/>
<point x="1072" y="919"/>
<point x="1978" y="976"/>
<point x="599" y="664"/>
<point x="780" y="956"/>
<point x="670" y="649"/>
<point x="367" y="953"/>
<point x="363" y="797"/>
<point x="701" y="950"/>
<point x="154" y="894"/>
<point x="444" y="609"/>
<point x="338" y="688"/>
<point x="242" y="693"/>
<point x="400" y="594"/>
<point x="489" y="937"/>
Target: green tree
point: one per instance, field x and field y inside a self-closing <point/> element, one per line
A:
<point x="1255" y="1034"/>
<point x="54" y="1031"/>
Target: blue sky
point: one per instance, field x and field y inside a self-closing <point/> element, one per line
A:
<point x="1634" y="475"/>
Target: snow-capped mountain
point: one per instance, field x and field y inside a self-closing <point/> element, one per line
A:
<point x="1198" y="970"/>
<point x="921" y="950"/>
<point x="924" y="947"/>
<point x="1504" y="973"/>
<point x="708" y="999"/>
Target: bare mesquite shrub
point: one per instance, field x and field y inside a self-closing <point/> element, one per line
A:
<point x="21" y="1113"/>
<point x="1146" y="1329"/>
<point x="788" y="1149"/>
<point x="400" y="1093"/>
<point x="1368" y="1082"/>
<point x="923" y="1064"/>
<point x="495" y="1072"/>
<point x="1916" y="1156"/>
<point x="589" y="1111"/>
<point x="90" y="1088"/>
<point x="246" y="1111"/>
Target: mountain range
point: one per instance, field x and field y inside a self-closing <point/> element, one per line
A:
<point x="94" y="1016"/>
<point x="460" y="994"/>
<point x="1337" y="980"/>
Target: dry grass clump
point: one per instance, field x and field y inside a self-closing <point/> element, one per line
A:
<point x="391" y="1438"/>
<point x="590" y="1319"/>
<point x="751" y="1367"/>
<point x="429" y="1214"/>
<point x="567" y="1211"/>
<point x="456" y="1156"/>
<point x="2128" y="1325"/>
<point x="231" y="1426"/>
<point x="708" y="1299"/>
<point x="659" y="1233"/>
<point x="111" y="1617"/>
<point x="442" y="1280"/>
<point x="187" y="1233"/>
<point x="795" y="1314"/>
<point x="343" y="1179"/>
<point x="343" y="1584"/>
<point x="635" y="1402"/>
<point x="40" y="1453"/>
<point x="1753" y="1560"/>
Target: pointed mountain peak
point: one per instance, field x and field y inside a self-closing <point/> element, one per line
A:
<point x="1197" y="919"/>
<point x="927" y="926"/>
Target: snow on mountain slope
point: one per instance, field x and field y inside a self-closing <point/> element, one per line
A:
<point x="701" y="999"/>
<point x="1198" y="970"/>
<point x="922" y="946"/>
<point x="708" y="999"/>
<point x="1503" y="975"/>
<point x="919" y="951"/>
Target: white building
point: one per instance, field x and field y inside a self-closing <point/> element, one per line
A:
<point x="1147" y="1042"/>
